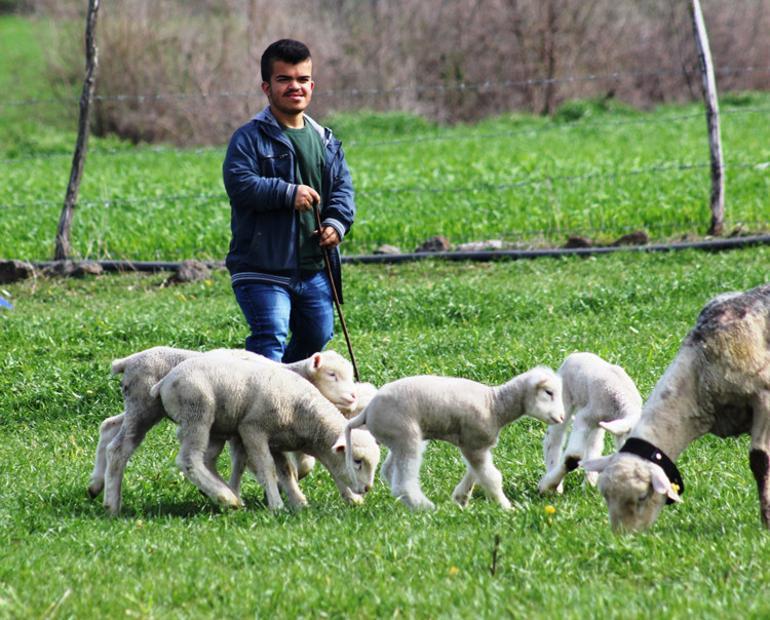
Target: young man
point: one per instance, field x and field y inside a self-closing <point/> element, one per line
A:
<point x="279" y="167"/>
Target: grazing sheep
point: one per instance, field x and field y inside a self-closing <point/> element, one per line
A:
<point x="719" y="382"/>
<point x="120" y="435"/>
<point x="272" y="410"/>
<point x="598" y="396"/>
<point x="463" y="412"/>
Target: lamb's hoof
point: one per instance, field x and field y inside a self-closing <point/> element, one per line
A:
<point x="461" y="500"/>
<point x="545" y="488"/>
<point x="764" y="514"/>
<point x="230" y="500"/>
<point x="94" y="489"/>
<point x="422" y="506"/>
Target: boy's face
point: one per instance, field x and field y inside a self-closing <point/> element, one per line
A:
<point x="290" y="87"/>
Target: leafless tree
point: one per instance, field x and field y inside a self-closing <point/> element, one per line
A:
<point x="188" y="72"/>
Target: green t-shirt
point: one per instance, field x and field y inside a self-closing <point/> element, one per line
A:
<point x="310" y="164"/>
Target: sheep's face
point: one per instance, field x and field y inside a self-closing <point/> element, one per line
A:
<point x="363" y="464"/>
<point x="365" y="392"/>
<point x="544" y="398"/>
<point x="333" y="375"/>
<point x="635" y="490"/>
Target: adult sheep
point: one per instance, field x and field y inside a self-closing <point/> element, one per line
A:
<point x="719" y="382"/>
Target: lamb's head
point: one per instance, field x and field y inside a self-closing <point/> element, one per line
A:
<point x="635" y="490"/>
<point x="361" y="462"/>
<point x="364" y="394"/>
<point x="333" y="375"/>
<point x="543" y="395"/>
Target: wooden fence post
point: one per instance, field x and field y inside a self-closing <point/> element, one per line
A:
<point x="63" y="248"/>
<point x="712" y="120"/>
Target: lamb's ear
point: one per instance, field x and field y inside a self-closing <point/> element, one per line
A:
<point x="339" y="445"/>
<point x="617" y="427"/>
<point x="662" y="484"/>
<point x="316" y="357"/>
<point x="596" y="464"/>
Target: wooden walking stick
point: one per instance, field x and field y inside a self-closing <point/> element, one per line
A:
<point x="335" y="296"/>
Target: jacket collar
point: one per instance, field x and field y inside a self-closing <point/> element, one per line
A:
<point x="266" y="116"/>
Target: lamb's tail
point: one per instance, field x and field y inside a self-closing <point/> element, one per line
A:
<point x="359" y="420"/>
<point x="155" y="389"/>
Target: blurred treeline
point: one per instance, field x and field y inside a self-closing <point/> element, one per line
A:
<point x="187" y="71"/>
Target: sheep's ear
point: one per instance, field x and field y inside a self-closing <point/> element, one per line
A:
<point x="662" y="484"/>
<point x="596" y="464"/>
<point x="339" y="445"/>
<point x="316" y="361"/>
<point x="617" y="427"/>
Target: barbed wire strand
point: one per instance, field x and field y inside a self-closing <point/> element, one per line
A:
<point x="356" y="144"/>
<point x="479" y="188"/>
<point x="369" y="92"/>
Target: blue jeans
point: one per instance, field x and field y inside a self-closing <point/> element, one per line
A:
<point x="271" y="310"/>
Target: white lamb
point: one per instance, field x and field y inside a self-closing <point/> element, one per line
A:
<point x="120" y="435"/>
<point x="463" y="412"/>
<point x="302" y="464"/>
<point x="598" y="396"/>
<point x="273" y="411"/>
<point x="719" y="382"/>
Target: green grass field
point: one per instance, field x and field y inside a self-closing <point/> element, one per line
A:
<point x="173" y="554"/>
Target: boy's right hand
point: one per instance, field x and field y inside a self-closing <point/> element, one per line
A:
<point x="305" y="198"/>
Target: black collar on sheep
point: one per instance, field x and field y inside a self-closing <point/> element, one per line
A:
<point x="651" y="453"/>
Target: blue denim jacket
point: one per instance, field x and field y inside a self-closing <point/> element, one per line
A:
<point x="259" y="176"/>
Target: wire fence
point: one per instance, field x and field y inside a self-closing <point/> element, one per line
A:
<point x="439" y="135"/>
<point x="444" y="189"/>
<point x="455" y="86"/>
<point x="419" y="139"/>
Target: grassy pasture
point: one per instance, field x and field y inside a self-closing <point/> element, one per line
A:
<point x="524" y="180"/>
<point x="175" y="555"/>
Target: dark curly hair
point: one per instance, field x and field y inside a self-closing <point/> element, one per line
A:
<point x="286" y="50"/>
